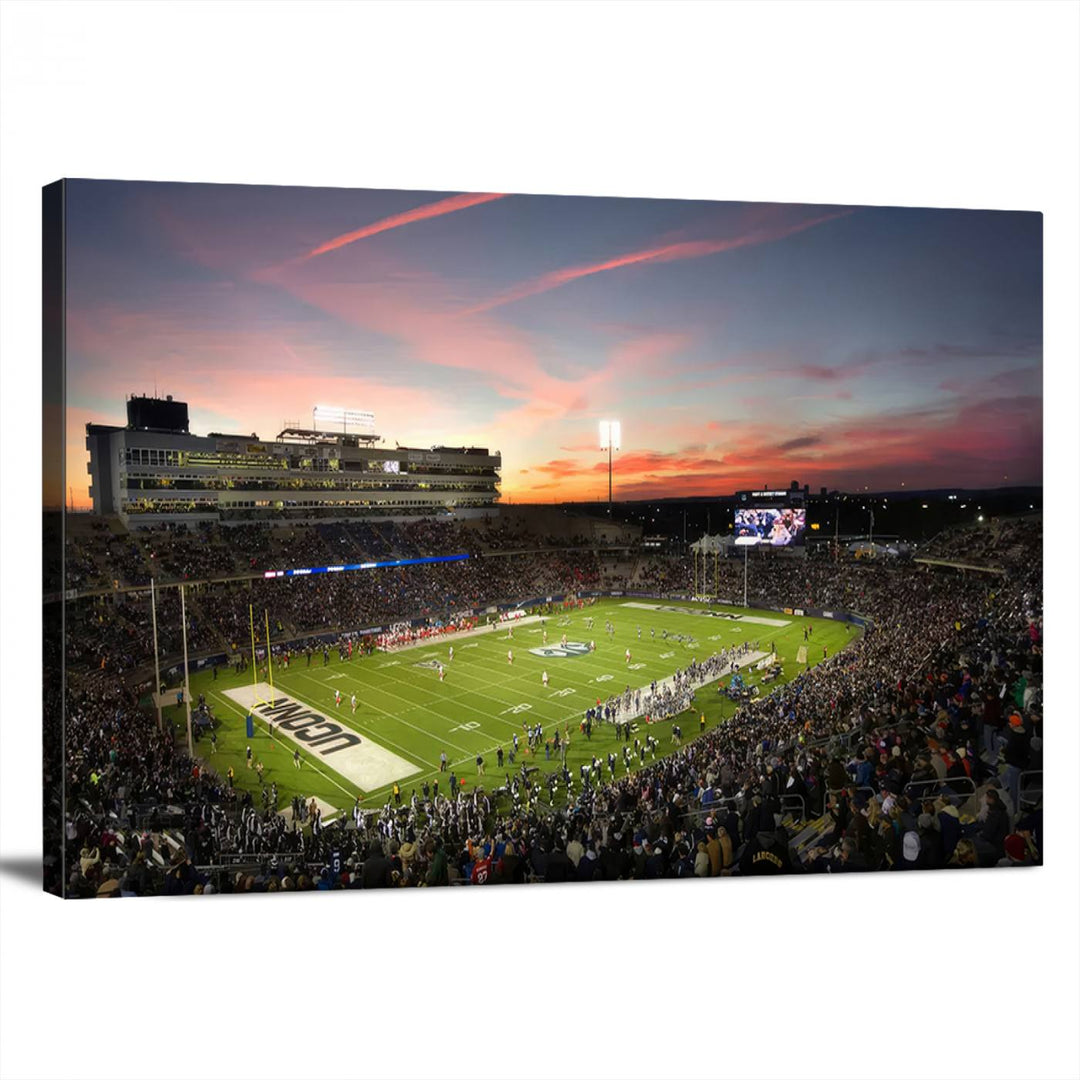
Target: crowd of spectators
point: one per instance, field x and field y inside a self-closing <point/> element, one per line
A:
<point x="1001" y="544"/>
<point x="906" y="750"/>
<point x="117" y="629"/>
<point x="96" y="557"/>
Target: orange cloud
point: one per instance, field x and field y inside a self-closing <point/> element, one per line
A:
<point x="687" y="249"/>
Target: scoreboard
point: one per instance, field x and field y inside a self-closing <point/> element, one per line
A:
<point x="775" y="518"/>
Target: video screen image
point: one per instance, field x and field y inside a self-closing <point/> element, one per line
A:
<point x="779" y="526"/>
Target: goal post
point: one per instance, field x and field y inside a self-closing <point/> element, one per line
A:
<point x="269" y="657"/>
<point x="259" y="697"/>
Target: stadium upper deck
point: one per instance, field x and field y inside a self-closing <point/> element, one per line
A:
<point x="154" y="470"/>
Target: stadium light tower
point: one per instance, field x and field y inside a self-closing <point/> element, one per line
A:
<point x="610" y="440"/>
<point x="333" y="415"/>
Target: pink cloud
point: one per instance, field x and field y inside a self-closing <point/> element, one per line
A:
<point x="686" y="249"/>
<point x="408" y="217"/>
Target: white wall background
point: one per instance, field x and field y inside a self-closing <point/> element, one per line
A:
<point x="965" y="104"/>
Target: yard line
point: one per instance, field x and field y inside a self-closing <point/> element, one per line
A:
<point x="513" y="725"/>
<point x="375" y="734"/>
<point x="356" y="680"/>
<point x="591" y="687"/>
<point x="367" y="690"/>
<point x="388" y="676"/>
<point x="393" y="716"/>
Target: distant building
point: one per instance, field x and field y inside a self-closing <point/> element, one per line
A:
<point x="154" y="471"/>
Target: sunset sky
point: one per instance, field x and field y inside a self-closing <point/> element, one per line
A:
<point x="740" y="344"/>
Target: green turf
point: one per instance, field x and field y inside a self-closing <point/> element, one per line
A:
<point x="484" y="700"/>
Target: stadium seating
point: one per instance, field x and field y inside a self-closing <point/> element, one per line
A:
<point x="882" y="757"/>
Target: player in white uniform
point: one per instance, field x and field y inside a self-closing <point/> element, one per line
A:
<point x="442" y="673"/>
<point x="509" y="656"/>
<point x="545" y="680"/>
<point x="354" y="703"/>
<point x="337" y="698"/>
<point x="628" y="656"/>
<point x="451" y="652"/>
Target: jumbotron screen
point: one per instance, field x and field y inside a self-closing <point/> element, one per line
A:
<point x="776" y="525"/>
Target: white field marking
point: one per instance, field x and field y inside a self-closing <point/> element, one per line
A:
<point x="451" y="766"/>
<point x="486" y="696"/>
<point x="336" y="675"/>
<point x="589" y="687"/>
<point x="371" y="731"/>
<point x="307" y="757"/>
<point x="394" y="716"/>
<point x="666" y="655"/>
<point x="367" y="764"/>
<point x="507" y="679"/>
<point x="566" y="691"/>
<point x="484" y="678"/>
<point x="634" y="667"/>
<point x="430" y="709"/>
<point x="741" y="663"/>
<point x="548" y="725"/>
<point x="389" y="663"/>
<point x="706" y="613"/>
<point x="603" y="678"/>
<point x="433" y="710"/>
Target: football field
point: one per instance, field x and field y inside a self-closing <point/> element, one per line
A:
<point x="406" y="717"/>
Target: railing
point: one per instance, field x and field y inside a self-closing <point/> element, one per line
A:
<point x="833" y="792"/>
<point x="716" y="805"/>
<point x="1030" y="774"/>
<point x="237" y="860"/>
<point x="937" y="787"/>
<point x="786" y="801"/>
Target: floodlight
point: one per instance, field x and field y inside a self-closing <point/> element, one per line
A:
<point x="334" y="415"/>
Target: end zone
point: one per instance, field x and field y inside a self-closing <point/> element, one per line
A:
<point x="356" y="757"/>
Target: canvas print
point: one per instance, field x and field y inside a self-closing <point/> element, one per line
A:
<point x="420" y="539"/>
